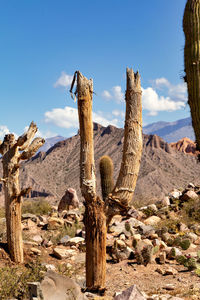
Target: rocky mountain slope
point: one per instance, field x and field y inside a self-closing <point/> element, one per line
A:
<point x="171" y="131"/>
<point x="162" y="168"/>
<point x="186" y="146"/>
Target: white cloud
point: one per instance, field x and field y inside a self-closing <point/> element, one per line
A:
<point x="4" y="130"/>
<point x="115" y="93"/>
<point x="106" y="95"/>
<point x="118" y="113"/>
<point x="64" y="80"/>
<point x="68" y="118"/>
<point x="177" y="92"/>
<point x="155" y="103"/>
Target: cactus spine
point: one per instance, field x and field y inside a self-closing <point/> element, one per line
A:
<point x="106" y="173"/>
<point x="191" y="28"/>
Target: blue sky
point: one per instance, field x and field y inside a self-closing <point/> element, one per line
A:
<point x="43" y="42"/>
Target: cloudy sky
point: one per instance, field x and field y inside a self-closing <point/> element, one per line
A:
<point x="44" y="42"/>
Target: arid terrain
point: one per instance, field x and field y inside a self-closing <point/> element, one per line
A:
<point x="162" y="167"/>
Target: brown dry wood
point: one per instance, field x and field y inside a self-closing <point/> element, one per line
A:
<point x="97" y="212"/>
<point x="95" y="220"/>
<point x="11" y="151"/>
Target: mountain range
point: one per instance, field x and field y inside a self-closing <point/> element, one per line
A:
<point x="171" y="132"/>
<point x="162" y="167"/>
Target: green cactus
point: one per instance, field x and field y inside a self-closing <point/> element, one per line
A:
<point x="191" y="264"/>
<point x="181" y="259"/>
<point x="185" y="244"/>
<point x="191" y="28"/>
<point x="106" y="173"/>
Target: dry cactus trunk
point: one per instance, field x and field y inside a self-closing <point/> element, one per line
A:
<point x="11" y="151"/>
<point x="98" y="212"/>
<point x="191" y="27"/>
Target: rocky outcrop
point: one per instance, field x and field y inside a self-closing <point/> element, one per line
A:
<point x="186" y="146"/>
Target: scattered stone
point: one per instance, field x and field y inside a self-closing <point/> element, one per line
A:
<point x="61" y="253"/>
<point x="75" y="241"/>
<point x="169" y="287"/>
<point x="153" y="220"/>
<point x="36" y="251"/>
<point x="29" y="216"/>
<point x="55" y="223"/>
<point x="162" y="258"/>
<point x="170" y="271"/>
<point x="130" y="294"/>
<point x="37" y="238"/>
<point x="175" y="194"/>
<point x="64" y="240"/>
<point x="189" y="195"/>
<point x="49" y="267"/>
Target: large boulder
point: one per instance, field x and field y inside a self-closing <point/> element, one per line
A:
<point x="69" y="199"/>
<point x="55" y="286"/>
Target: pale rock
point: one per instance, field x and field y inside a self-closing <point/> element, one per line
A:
<point x="192" y="237"/>
<point x="49" y="267"/>
<point x="30" y="243"/>
<point x="162" y="258"/>
<point x="120" y="244"/>
<point x="156" y="242"/>
<point x="55" y="223"/>
<point x="174" y="252"/>
<point x="183" y="227"/>
<point x="75" y="241"/>
<point x="147" y="242"/>
<point x="153" y="207"/>
<point x="165" y="201"/>
<point x="37" y="238"/>
<point x="61" y="253"/>
<point x="29" y="216"/>
<point x="153" y="220"/>
<point x="122" y="237"/>
<point x="64" y="240"/>
<point x="36" y="251"/>
<point x="59" y="287"/>
<point x="175" y="194"/>
<point x="132" y="293"/>
<point x="169" y="287"/>
<point x="189" y="195"/>
<point x="170" y="271"/>
<point x="191" y="185"/>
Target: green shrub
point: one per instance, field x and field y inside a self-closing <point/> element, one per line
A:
<point x="66" y="230"/>
<point x="36" y="207"/>
<point x="14" y="281"/>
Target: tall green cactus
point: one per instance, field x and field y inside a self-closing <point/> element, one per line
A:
<point x="191" y="28"/>
<point x="106" y="173"/>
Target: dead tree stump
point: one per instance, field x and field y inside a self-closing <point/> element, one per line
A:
<point x="13" y="151"/>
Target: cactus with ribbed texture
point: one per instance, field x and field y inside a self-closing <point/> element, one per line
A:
<point x="106" y="173"/>
<point x="191" y="28"/>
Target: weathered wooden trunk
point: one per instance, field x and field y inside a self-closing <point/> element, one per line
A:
<point x="13" y="151"/>
<point x="98" y="213"/>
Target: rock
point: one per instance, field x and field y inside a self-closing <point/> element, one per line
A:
<point x="146" y="230"/>
<point x="165" y="201"/>
<point x="75" y="241"/>
<point x="192" y="237"/>
<point x="36" y="251"/>
<point x="120" y="244"/>
<point x="170" y="271"/>
<point x="29" y="216"/>
<point x="49" y="267"/>
<point x="132" y="293"/>
<point x="183" y="227"/>
<point x="55" y="286"/>
<point x="191" y="185"/>
<point x="55" y="223"/>
<point x="153" y="220"/>
<point x="169" y="287"/>
<point x="69" y="199"/>
<point x="174" y="252"/>
<point x="37" y="238"/>
<point x="189" y="195"/>
<point x="64" y="240"/>
<point x="162" y="258"/>
<point x="153" y="207"/>
<point x="121" y="251"/>
<point x="35" y="291"/>
<point x="175" y="194"/>
<point x="61" y="253"/>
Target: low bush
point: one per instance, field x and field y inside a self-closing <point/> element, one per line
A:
<point x="36" y="207"/>
<point x="14" y="281"/>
